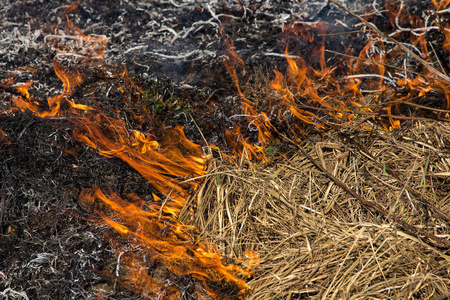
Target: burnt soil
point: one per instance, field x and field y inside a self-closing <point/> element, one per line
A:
<point x="172" y="49"/>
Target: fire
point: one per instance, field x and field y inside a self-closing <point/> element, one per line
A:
<point x="166" y="243"/>
<point x="23" y="88"/>
<point x="161" y="252"/>
<point x="440" y="5"/>
<point x="309" y="88"/>
<point x="239" y="145"/>
<point x="4" y="139"/>
<point x="85" y="50"/>
<point x="164" y="164"/>
<point x="259" y="120"/>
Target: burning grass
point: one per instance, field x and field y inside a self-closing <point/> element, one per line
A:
<point x="326" y="177"/>
<point x="316" y="240"/>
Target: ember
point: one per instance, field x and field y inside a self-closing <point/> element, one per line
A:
<point x="229" y="186"/>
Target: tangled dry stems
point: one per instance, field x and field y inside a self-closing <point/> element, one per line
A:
<point x="318" y="242"/>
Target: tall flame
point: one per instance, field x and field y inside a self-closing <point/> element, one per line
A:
<point x="164" y="164"/>
<point x="156" y="240"/>
<point x="309" y="92"/>
<point x="353" y="86"/>
<point x="259" y="120"/>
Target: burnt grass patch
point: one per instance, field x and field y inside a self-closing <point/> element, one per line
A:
<point x="315" y="240"/>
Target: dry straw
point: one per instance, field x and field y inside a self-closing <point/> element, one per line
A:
<point x="317" y="241"/>
<point x="346" y="214"/>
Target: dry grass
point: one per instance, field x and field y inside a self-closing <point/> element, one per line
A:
<point x="315" y="240"/>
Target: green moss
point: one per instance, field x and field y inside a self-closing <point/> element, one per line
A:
<point x="161" y="98"/>
<point x="272" y="151"/>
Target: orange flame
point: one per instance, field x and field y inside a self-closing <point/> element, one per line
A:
<point x="258" y="120"/>
<point x="170" y="163"/>
<point x="441" y="5"/>
<point x="446" y="45"/>
<point x="164" y="164"/>
<point x="4" y="139"/>
<point x="54" y="103"/>
<point x="342" y="90"/>
<point x="23" y="88"/>
<point x="241" y="146"/>
<point x="92" y="49"/>
<point x="164" y="241"/>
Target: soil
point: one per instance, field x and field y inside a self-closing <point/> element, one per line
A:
<point x="174" y="54"/>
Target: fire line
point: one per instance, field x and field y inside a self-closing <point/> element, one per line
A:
<point x="305" y="95"/>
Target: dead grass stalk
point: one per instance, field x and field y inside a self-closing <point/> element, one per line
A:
<point x="316" y="238"/>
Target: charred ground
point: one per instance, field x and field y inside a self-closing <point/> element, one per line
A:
<point x="173" y="51"/>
